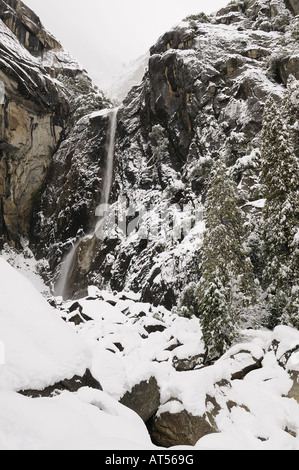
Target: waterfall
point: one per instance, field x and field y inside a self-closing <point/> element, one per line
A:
<point x="110" y="158"/>
<point x="67" y="265"/>
<point x="70" y="259"/>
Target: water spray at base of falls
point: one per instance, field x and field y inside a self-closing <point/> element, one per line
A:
<point x="71" y="259"/>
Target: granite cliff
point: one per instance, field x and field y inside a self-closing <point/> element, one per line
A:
<point x="38" y="78"/>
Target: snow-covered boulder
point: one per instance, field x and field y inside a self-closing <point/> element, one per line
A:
<point x="40" y="349"/>
<point x="242" y="359"/>
<point x="88" y="420"/>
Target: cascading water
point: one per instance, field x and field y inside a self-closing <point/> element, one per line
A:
<point x="110" y="158"/>
<point x="69" y="262"/>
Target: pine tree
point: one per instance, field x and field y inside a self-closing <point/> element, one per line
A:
<point x="227" y="286"/>
<point x="280" y="179"/>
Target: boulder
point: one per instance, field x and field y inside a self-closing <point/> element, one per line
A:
<point x="189" y="363"/>
<point x="71" y="385"/>
<point x="294" y="392"/>
<point x="179" y="427"/>
<point x="154" y="328"/>
<point x="285" y="345"/>
<point x="144" y="399"/>
<point x="175" y="425"/>
<point x="242" y="359"/>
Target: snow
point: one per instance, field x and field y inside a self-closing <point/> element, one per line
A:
<point x="88" y="420"/>
<point x="26" y="264"/>
<point x="40" y="349"/>
<point x="126" y="342"/>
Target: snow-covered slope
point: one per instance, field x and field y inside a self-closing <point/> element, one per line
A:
<point x="40" y="350"/>
<point x="247" y="400"/>
<point x="89" y="420"/>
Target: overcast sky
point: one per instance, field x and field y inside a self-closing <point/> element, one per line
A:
<point x="103" y="34"/>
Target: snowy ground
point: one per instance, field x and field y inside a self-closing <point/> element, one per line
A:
<point x="123" y="343"/>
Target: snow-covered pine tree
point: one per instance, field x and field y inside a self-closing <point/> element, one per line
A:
<point x="280" y="179"/>
<point x="227" y="286"/>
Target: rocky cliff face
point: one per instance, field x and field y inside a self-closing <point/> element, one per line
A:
<point x="203" y="95"/>
<point x="34" y="112"/>
<point x="27" y="27"/>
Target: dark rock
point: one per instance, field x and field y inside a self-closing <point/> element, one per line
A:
<point x="241" y="362"/>
<point x="76" y="306"/>
<point x="288" y="66"/>
<point x="144" y="399"/>
<point x="71" y="385"/>
<point x="154" y="328"/>
<point x="141" y="315"/>
<point x="180" y="429"/>
<point x="175" y="426"/>
<point x="174" y="344"/>
<point x="284" y="355"/>
<point x="79" y="318"/>
<point x="111" y="302"/>
<point x="190" y="363"/>
<point x="283" y="360"/>
<point x="76" y="319"/>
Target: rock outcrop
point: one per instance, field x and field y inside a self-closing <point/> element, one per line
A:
<point x="27" y="27"/>
<point x="34" y="112"/>
<point x="180" y="428"/>
<point x="32" y="117"/>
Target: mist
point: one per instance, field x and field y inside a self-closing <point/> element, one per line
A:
<point x="104" y="36"/>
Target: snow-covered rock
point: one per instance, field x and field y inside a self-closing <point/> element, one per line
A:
<point x="203" y="94"/>
<point x="89" y="420"/>
<point x="40" y="350"/>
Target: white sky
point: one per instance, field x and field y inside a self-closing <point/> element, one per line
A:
<point x="103" y="35"/>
